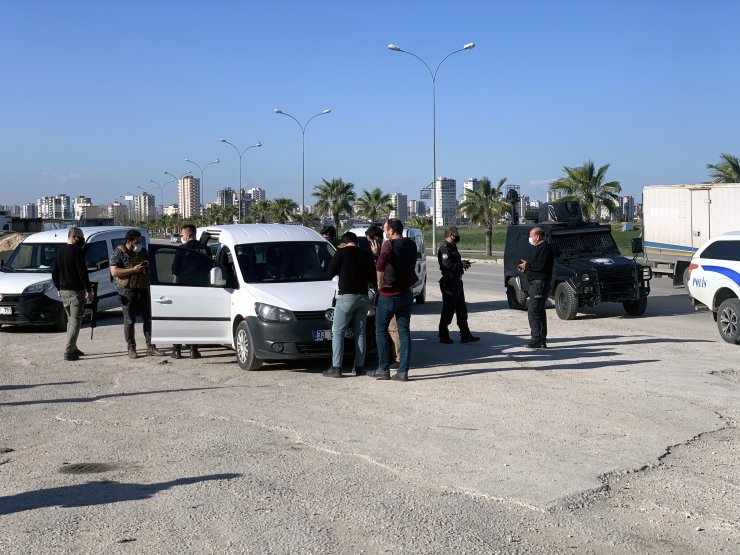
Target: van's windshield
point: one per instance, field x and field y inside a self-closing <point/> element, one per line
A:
<point x="32" y="257"/>
<point x="284" y="262"/>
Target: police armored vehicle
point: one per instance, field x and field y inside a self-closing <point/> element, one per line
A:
<point x="588" y="269"/>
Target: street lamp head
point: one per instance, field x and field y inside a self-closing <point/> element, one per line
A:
<point x="223" y="140"/>
<point x="278" y="111"/>
<point x="394" y="47"/>
<point x="259" y="144"/>
<point x="469" y="46"/>
<point x="216" y="161"/>
<point x="327" y="111"/>
<point x="188" y="160"/>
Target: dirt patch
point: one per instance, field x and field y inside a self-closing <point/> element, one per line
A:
<point x="8" y="243"/>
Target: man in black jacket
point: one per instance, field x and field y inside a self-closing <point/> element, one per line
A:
<point x="356" y="271"/>
<point x="538" y="270"/>
<point x="73" y="287"/>
<point x="452" y="267"/>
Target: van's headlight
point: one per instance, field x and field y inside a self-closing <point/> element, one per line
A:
<point x="269" y="313"/>
<point x="40" y="287"/>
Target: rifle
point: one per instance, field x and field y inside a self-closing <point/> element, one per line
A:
<point x="93" y="306"/>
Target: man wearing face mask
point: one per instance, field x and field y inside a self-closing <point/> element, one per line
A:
<point x="452" y="267"/>
<point x="129" y="264"/>
<point x="73" y="287"/>
<point x="538" y="269"/>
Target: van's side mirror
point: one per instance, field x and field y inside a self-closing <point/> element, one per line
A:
<point x="216" y="277"/>
<point x="636" y="244"/>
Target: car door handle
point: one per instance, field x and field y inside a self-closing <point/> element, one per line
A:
<point x="163" y="300"/>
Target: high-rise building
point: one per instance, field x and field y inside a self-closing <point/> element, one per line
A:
<point x="523" y="206"/>
<point x="446" y="199"/>
<point x="57" y="207"/>
<point x="470" y="184"/>
<point x="421" y="208"/>
<point x="553" y="194"/>
<point x="257" y="193"/>
<point x="144" y="207"/>
<point x="118" y="211"/>
<point x="400" y="209"/>
<point x="188" y="196"/>
<point x="628" y="207"/>
<point x="226" y="197"/>
<point x="411" y="207"/>
<point x="29" y="211"/>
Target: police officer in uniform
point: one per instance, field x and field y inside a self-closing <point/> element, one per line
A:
<point x="452" y="268"/>
<point x="538" y="269"/>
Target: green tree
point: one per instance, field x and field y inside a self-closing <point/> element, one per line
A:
<point x="484" y="206"/>
<point x="282" y="210"/>
<point x="586" y="184"/>
<point x="420" y="222"/>
<point x="334" y="197"/>
<point x="726" y="171"/>
<point x="373" y="204"/>
<point x="307" y="219"/>
<point x="260" y="211"/>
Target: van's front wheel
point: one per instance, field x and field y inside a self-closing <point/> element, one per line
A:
<point x="245" y="348"/>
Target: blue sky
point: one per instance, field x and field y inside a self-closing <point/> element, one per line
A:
<point x="100" y="97"/>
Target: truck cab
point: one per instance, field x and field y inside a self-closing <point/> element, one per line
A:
<point x="588" y="268"/>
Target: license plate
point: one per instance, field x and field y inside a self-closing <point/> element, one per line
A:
<point x="6" y="310"/>
<point x="325" y="335"/>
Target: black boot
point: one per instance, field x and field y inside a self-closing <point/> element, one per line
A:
<point x="176" y="353"/>
<point x="400" y="376"/>
<point x="444" y="336"/>
<point x="467" y="337"/>
<point x="194" y="352"/>
<point x="333" y="372"/>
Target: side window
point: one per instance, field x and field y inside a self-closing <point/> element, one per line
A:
<point x="115" y="243"/>
<point x="96" y="256"/>
<point x="179" y="266"/>
<point x="723" y="250"/>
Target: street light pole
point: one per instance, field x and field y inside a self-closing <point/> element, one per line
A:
<point x="202" y="170"/>
<point x="241" y="153"/>
<point x="433" y="75"/>
<point x="303" y="149"/>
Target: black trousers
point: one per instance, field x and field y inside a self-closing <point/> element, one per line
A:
<point x="453" y="302"/>
<point x="536" y="309"/>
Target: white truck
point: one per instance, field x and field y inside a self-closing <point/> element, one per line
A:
<point x="678" y="219"/>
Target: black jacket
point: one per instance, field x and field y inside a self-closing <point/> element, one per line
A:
<point x="539" y="265"/>
<point x="450" y="262"/>
<point x="70" y="270"/>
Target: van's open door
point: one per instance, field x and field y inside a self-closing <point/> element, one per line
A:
<point x="186" y="307"/>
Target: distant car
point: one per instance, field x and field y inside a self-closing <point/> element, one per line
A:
<point x="175" y="238"/>
<point x="714" y="282"/>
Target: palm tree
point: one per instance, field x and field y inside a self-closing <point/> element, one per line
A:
<point x="260" y="211"/>
<point x="307" y="219"/>
<point x="420" y="222"/>
<point x="283" y="210"/>
<point x="373" y="204"/>
<point x="726" y="171"/>
<point x="586" y="184"/>
<point x="334" y="197"/>
<point x="484" y="206"/>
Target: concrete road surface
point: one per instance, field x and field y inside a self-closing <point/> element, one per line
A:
<point x="620" y="438"/>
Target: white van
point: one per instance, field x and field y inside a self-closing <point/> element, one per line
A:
<point x="264" y="291"/>
<point x="420" y="287"/>
<point x="27" y="294"/>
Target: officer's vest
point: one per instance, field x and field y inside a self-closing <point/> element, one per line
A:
<point x="133" y="281"/>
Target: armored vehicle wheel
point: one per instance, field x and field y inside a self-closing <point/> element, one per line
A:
<point x="516" y="297"/>
<point x="245" y="348"/>
<point x="635" y="308"/>
<point x="728" y="320"/>
<point x="566" y="304"/>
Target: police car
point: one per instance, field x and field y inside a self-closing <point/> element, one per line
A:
<point x="714" y="282"/>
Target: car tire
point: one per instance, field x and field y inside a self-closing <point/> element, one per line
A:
<point x="635" y="308"/>
<point x="566" y="304"/>
<point x="244" y="346"/>
<point x="421" y="298"/>
<point x="516" y="297"/>
<point x="728" y="320"/>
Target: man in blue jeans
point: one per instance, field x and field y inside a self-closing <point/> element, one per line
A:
<point x="356" y="271"/>
<point x="396" y="275"/>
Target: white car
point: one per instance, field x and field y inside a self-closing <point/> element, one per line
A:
<point x="264" y="291"/>
<point x="27" y="294"/>
<point x="175" y="238"/>
<point x="714" y="282"/>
